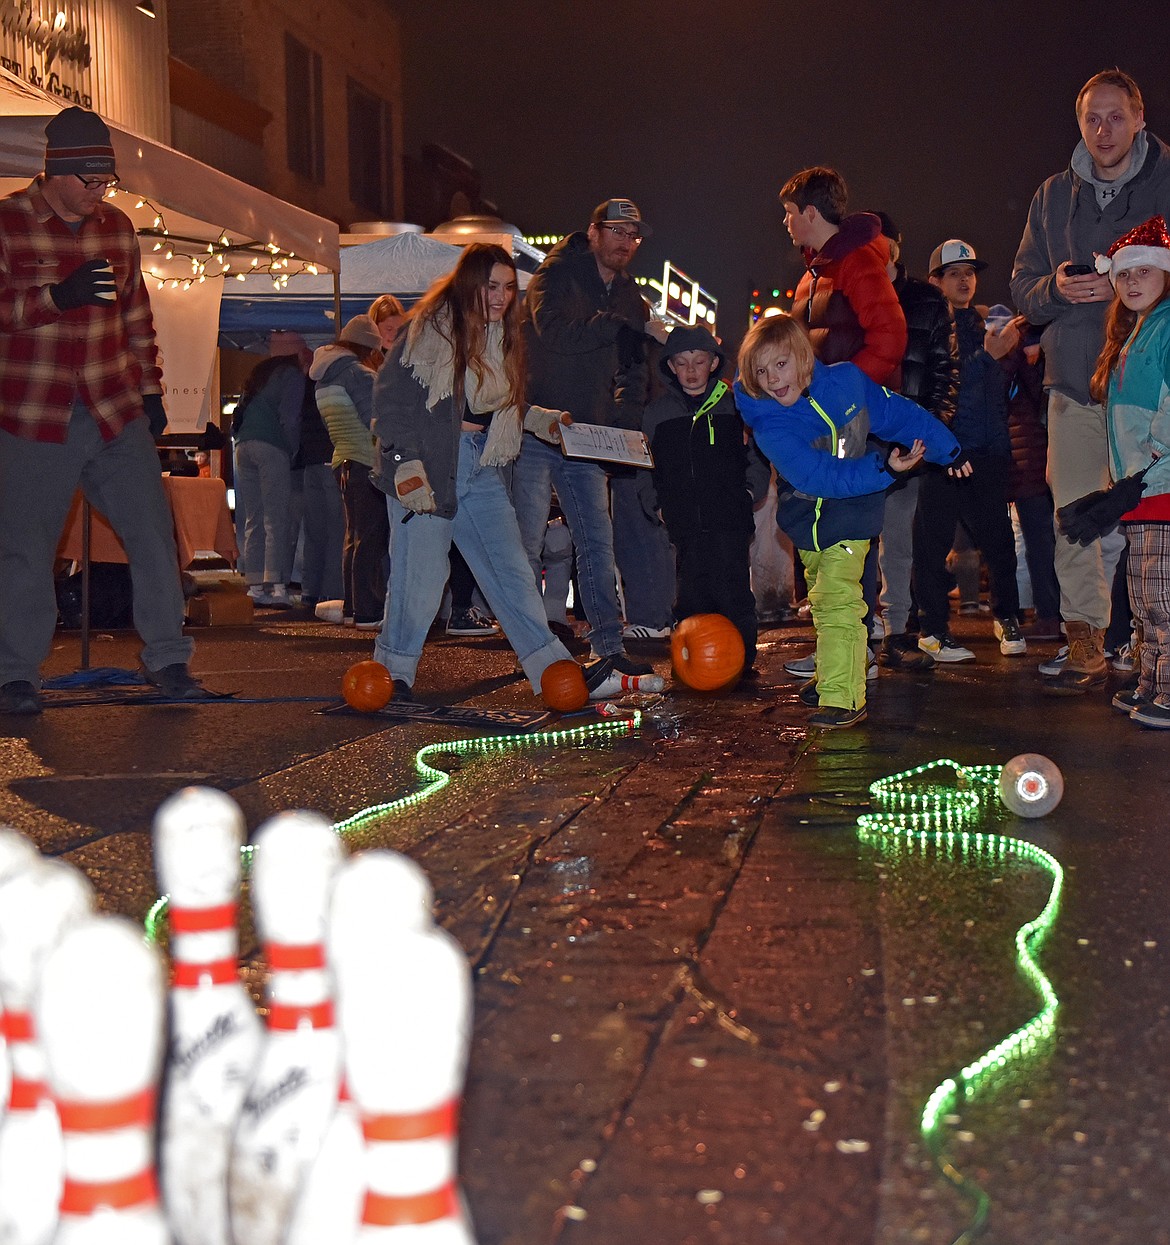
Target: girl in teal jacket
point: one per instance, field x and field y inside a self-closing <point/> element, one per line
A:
<point x="1133" y="380"/>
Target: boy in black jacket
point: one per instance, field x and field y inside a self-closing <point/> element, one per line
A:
<point x="707" y="477"/>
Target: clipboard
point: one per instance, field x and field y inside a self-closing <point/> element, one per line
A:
<point x="610" y="445"/>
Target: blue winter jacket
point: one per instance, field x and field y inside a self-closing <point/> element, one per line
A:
<point x="1139" y="405"/>
<point x="832" y="487"/>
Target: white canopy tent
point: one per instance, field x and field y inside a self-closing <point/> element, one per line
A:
<point x="199" y="215"/>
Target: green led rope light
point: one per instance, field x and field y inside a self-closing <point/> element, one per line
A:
<point x="917" y="813"/>
<point x="434" y="780"/>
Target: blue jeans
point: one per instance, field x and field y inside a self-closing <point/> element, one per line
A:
<point x="324" y="526"/>
<point x="264" y="483"/>
<point x="584" y="498"/>
<point x="643" y="553"/>
<point x="484" y="530"/>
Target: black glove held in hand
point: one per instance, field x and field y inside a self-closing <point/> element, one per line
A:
<point x="156" y="413"/>
<point x="1089" y="518"/>
<point x="91" y="285"/>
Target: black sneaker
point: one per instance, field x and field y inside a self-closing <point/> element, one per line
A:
<point x="470" y="622"/>
<point x="1129" y="699"/>
<point x="403" y="692"/>
<point x="623" y="665"/>
<point x="831" y="718"/>
<point x="808" y="694"/>
<point x="20" y="698"/>
<point x="175" y="683"/>
<point x="1151" y="713"/>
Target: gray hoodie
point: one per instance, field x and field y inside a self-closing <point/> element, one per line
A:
<point x="1066" y="223"/>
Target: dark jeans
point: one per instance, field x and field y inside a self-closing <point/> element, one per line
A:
<point x="714" y="577"/>
<point x="364" y="556"/>
<point x="980" y="502"/>
<point x="1039" y="552"/>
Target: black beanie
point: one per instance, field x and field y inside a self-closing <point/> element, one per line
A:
<point x="78" y="141"/>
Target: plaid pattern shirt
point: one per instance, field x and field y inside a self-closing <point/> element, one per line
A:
<point x="105" y="356"/>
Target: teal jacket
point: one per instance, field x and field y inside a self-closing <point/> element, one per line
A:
<point x="1139" y="405"/>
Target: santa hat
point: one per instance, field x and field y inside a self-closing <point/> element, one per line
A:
<point x="1146" y="244"/>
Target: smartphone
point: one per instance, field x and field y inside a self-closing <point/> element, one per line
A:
<point x="1079" y="270"/>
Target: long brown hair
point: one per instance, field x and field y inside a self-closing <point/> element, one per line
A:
<point x="1119" y="324"/>
<point x="456" y="308"/>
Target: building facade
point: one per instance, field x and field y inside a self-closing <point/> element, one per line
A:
<point x="301" y="98"/>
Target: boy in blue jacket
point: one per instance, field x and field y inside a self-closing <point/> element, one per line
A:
<point x="812" y="421"/>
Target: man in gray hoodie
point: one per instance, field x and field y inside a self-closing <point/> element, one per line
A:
<point x="1118" y="177"/>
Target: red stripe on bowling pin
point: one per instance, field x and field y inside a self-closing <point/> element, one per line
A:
<point x="189" y="975"/>
<point x="79" y="1197"/>
<point x="383" y="1211"/>
<point x="285" y="1018"/>
<point x="284" y="957"/>
<point x="23" y="1094"/>
<point x="439" y="1122"/>
<point x="202" y="920"/>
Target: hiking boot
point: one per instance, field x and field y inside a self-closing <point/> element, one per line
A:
<point x="901" y="652"/>
<point x="175" y="683"/>
<point x="944" y="648"/>
<point x="604" y="678"/>
<point x="1042" y="629"/>
<point x="20" y="699"/>
<point x="1011" y="640"/>
<point x="1085" y="667"/>
<point x="831" y="718"/>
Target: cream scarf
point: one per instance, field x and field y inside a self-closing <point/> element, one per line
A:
<point x="431" y="359"/>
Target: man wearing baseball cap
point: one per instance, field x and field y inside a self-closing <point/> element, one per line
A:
<point x="585" y="325"/>
<point x="81" y="379"/>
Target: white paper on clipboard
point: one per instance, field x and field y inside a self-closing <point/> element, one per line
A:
<point x="611" y="445"/>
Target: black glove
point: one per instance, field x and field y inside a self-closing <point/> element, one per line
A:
<point x="156" y="413"/>
<point x="91" y="285"/>
<point x="631" y="344"/>
<point x="961" y="459"/>
<point x="1089" y="518"/>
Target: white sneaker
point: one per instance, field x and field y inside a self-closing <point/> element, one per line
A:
<point x="802" y="667"/>
<point x="944" y="648"/>
<point x="603" y="681"/>
<point x="1054" y="665"/>
<point x="274" y="596"/>
<point x="636" y="631"/>
<point x="368" y="626"/>
<point x="329" y="611"/>
<point x="1011" y="641"/>
<point x="871" y="666"/>
<point x="1125" y="659"/>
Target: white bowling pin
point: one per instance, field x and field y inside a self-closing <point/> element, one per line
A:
<point x="214" y="1030"/>
<point x="16" y="853"/>
<point x="294" y="1089"/>
<point x="37" y="905"/>
<point x="404" y="1003"/>
<point x="99" y="1011"/>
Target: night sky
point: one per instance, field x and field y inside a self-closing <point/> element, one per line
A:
<point x="946" y="116"/>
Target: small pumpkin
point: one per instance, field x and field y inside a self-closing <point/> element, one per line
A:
<point x="562" y="687"/>
<point x="367" y="686"/>
<point x="707" y="652"/>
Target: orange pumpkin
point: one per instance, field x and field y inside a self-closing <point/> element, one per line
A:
<point x="367" y="686"/>
<point x="707" y="652"/>
<point x="562" y="687"/>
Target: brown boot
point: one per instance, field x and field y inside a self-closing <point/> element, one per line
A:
<point x="1085" y="668"/>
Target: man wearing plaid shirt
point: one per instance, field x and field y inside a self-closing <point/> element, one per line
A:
<point x="79" y="380"/>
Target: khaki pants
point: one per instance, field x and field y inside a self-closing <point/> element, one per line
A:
<point x="1078" y="463"/>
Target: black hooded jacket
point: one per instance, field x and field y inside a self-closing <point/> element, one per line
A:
<point x="705" y="477"/>
<point x="930" y="367"/>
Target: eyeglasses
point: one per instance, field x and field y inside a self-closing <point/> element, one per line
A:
<point x="98" y="183"/>
<point x="630" y="235"/>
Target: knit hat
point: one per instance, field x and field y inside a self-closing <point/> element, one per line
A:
<point x="1147" y="243"/>
<point x="954" y="251"/>
<point x="889" y="229"/>
<point x="361" y="331"/>
<point x="620" y="210"/>
<point x="686" y="337"/>
<point x="78" y="141"/>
